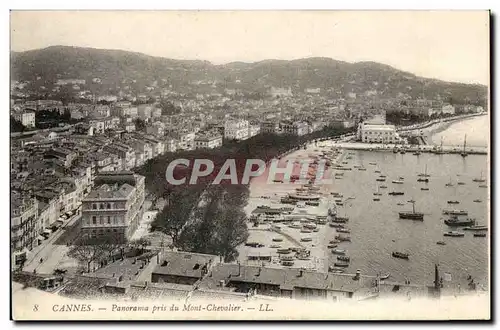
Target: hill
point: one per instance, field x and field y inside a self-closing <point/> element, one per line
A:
<point x="118" y="68"/>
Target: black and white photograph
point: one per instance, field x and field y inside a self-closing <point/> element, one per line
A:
<point x="250" y="165"/>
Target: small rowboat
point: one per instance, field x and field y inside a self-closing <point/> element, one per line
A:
<point x="385" y="277"/>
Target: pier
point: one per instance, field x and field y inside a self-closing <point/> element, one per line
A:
<point x="410" y="149"/>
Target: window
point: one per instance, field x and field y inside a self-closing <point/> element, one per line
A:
<point x="94" y="220"/>
<point x="101" y="220"/>
<point x="101" y="206"/>
<point x="109" y="220"/>
<point x="115" y="219"/>
<point x="94" y="206"/>
<point x="108" y="206"/>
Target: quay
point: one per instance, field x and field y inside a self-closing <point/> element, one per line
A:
<point x="410" y="149"/>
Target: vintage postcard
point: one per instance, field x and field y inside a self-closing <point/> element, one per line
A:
<point x="250" y="165"/>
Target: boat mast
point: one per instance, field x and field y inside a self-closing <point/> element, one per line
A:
<point x="465" y="141"/>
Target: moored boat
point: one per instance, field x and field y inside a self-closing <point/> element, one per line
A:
<point x="343" y="230"/>
<point x="453" y="202"/>
<point x="396" y="193"/>
<point x="424" y="188"/>
<point x="455" y="212"/>
<point x="385" y="277"/>
<point x="411" y="215"/>
<point x="455" y="221"/>
<point x="440" y="243"/>
<point x="343" y="238"/>
<point x="479" y="235"/>
<point x="454" y="234"/>
<point x="341" y="264"/>
<point x="344" y="258"/>
<point x="400" y="255"/>
<point x="477" y="228"/>
<point x="339" y="251"/>
<point x="398" y="181"/>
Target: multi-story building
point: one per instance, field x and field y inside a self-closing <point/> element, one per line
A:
<point x="124" y="152"/>
<point x="448" y="109"/>
<point x="207" y="140"/>
<point x="27" y="118"/>
<point x="24" y="226"/>
<point x="269" y="127"/>
<point x="114" y="207"/>
<point x="253" y="130"/>
<point x="296" y="128"/>
<point x="236" y="129"/>
<point x="376" y="133"/>
<point x="144" y="111"/>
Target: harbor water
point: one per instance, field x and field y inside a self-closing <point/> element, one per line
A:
<point x="375" y="228"/>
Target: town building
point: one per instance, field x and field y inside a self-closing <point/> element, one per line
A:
<point x="269" y="127"/>
<point x="377" y="133"/>
<point x="27" y="118"/>
<point x="208" y="140"/>
<point x="24" y="226"/>
<point x="183" y="267"/>
<point x="114" y="207"/>
<point x="296" y="128"/>
<point x="236" y="129"/>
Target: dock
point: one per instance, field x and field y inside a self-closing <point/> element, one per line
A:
<point x="410" y="149"/>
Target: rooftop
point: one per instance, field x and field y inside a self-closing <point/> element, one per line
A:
<point x="184" y="264"/>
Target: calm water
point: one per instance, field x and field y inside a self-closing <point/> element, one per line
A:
<point x="377" y="231"/>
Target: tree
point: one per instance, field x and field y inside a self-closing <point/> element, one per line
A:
<point x="88" y="250"/>
<point x="140" y="125"/>
<point x="16" y="126"/>
<point x="173" y="217"/>
<point x="140" y="244"/>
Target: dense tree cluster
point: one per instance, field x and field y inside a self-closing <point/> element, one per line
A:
<point x="210" y="218"/>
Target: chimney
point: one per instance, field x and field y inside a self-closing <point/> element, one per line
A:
<point x="239" y="269"/>
<point x="221" y="283"/>
<point x="301" y="272"/>
<point x="358" y="275"/>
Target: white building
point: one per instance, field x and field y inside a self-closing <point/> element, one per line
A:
<point x="448" y="109"/>
<point x="27" y="118"/>
<point x="253" y="130"/>
<point x="236" y="129"/>
<point x="275" y="91"/>
<point x="312" y="90"/>
<point x="207" y="141"/>
<point x="377" y="133"/>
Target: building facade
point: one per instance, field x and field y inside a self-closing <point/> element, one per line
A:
<point x="207" y="141"/>
<point x="236" y="129"/>
<point x="24" y="226"/>
<point x="375" y="133"/>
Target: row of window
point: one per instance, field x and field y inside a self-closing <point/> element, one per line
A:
<point x="107" y="219"/>
<point x="378" y="132"/>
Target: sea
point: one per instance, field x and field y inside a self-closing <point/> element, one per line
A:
<point x="377" y="231"/>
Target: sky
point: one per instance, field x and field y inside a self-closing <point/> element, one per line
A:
<point x="447" y="45"/>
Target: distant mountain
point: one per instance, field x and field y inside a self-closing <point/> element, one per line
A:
<point x="119" y="68"/>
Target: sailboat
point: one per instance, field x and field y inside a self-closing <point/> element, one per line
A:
<point x="440" y="150"/>
<point x="449" y="184"/>
<point x="377" y="193"/>
<point x="411" y="215"/>
<point x="464" y="154"/>
<point x="424" y="177"/>
<point x="480" y="179"/>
